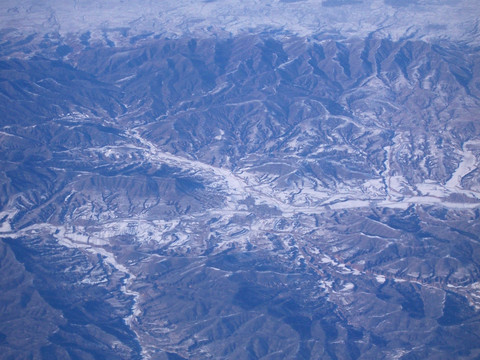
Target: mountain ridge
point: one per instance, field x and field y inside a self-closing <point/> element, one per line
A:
<point x="324" y="192"/>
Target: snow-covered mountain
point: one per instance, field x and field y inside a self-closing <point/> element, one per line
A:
<point x="275" y="180"/>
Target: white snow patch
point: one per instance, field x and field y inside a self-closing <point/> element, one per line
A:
<point x="348" y="287"/>
<point x="220" y="137"/>
<point x="467" y="164"/>
<point x="5" y="226"/>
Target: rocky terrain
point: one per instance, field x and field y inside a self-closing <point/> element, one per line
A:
<point x="264" y="195"/>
